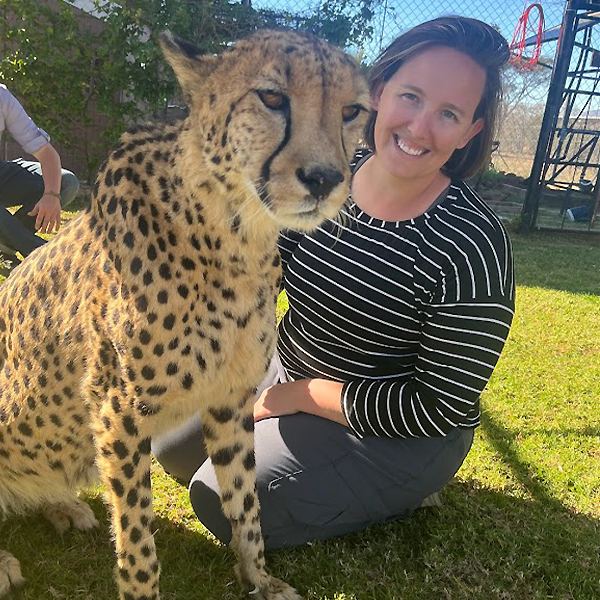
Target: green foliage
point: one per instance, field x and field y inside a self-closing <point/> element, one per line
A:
<point x="341" y="22"/>
<point x="67" y="70"/>
<point x="43" y="58"/>
<point x="492" y="176"/>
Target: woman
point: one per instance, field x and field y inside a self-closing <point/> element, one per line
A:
<point x="398" y="311"/>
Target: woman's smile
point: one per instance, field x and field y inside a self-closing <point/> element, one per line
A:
<point x="408" y="148"/>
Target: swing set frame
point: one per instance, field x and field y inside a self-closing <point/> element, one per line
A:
<point x="567" y="160"/>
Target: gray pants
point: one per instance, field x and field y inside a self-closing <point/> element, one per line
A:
<point x="21" y="184"/>
<point x="316" y="479"/>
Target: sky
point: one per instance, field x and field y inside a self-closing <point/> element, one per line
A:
<point x="395" y="16"/>
<point x="403" y="14"/>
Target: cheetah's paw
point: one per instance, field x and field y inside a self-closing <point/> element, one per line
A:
<point x="275" y="590"/>
<point x="64" y="515"/>
<point x="10" y="573"/>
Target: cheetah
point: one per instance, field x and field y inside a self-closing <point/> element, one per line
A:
<point x="158" y="301"/>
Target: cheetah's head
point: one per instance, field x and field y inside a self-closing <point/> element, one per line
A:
<point x="275" y="119"/>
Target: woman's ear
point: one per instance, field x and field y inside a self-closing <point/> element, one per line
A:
<point x="376" y="96"/>
<point x="475" y="128"/>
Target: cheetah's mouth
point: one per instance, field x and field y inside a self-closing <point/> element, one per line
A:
<point x="308" y="209"/>
<point x="305" y="212"/>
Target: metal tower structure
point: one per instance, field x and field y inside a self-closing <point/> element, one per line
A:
<point x="563" y="190"/>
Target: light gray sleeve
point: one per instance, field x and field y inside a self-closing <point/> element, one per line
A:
<point x="19" y="124"/>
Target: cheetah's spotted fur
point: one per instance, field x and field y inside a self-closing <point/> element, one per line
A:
<point x="159" y="301"/>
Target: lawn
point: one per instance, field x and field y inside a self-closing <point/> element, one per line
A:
<point x="521" y="520"/>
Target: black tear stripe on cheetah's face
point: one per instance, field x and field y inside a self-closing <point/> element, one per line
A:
<point x="159" y="301"/>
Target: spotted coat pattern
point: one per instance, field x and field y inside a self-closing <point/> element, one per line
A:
<point x="159" y="300"/>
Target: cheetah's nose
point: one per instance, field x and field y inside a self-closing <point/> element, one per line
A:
<point x="320" y="181"/>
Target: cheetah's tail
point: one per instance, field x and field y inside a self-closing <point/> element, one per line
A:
<point x="10" y="573"/>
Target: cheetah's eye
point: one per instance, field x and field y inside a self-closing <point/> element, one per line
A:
<point x="349" y="113"/>
<point x="272" y="99"/>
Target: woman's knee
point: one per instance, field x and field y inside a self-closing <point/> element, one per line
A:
<point x="278" y="528"/>
<point x="181" y="450"/>
<point x="295" y="508"/>
<point x="206" y="501"/>
<point x="68" y="188"/>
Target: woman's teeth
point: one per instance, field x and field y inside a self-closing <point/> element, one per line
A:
<point x="408" y="149"/>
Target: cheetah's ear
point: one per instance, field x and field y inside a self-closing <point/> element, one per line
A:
<point x="190" y="66"/>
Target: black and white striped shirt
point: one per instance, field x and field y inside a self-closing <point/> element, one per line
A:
<point x="411" y="316"/>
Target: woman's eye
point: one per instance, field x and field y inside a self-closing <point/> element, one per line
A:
<point x="410" y="97"/>
<point x="349" y="113"/>
<point x="449" y="115"/>
<point x="273" y="100"/>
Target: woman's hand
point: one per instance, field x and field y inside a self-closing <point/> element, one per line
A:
<point x="319" y="397"/>
<point x="47" y="210"/>
<point x="273" y="402"/>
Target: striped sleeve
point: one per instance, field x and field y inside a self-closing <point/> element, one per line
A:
<point x="459" y="347"/>
<point x="287" y="243"/>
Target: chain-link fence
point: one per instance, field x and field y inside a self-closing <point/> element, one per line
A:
<point x="525" y="90"/>
<point x="368" y="26"/>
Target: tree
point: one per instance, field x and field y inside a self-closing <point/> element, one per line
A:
<point x="45" y="60"/>
<point x="524" y="92"/>
<point x="524" y="86"/>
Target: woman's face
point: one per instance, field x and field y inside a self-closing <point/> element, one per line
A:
<point x="425" y="112"/>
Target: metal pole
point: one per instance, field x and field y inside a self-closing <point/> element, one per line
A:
<point x="553" y="104"/>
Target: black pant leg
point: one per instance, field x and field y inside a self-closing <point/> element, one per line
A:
<point x="316" y="480"/>
<point x="20" y="186"/>
<point x="15" y="235"/>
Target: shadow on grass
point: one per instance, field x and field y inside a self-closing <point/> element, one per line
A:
<point x="564" y="262"/>
<point x="80" y="565"/>
<point x="481" y="545"/>
<point x="592" y="431"/>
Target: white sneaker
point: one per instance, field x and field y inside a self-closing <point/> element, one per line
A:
<point x="434" y="500"/>
<point x="9" y="261"/>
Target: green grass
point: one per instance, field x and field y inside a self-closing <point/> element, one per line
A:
<point x="521" y="520"/>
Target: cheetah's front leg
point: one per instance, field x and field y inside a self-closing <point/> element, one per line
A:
<point x="229" y="435"/>
<point x="124" y="464"/>
<point x="123" y="459"/>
